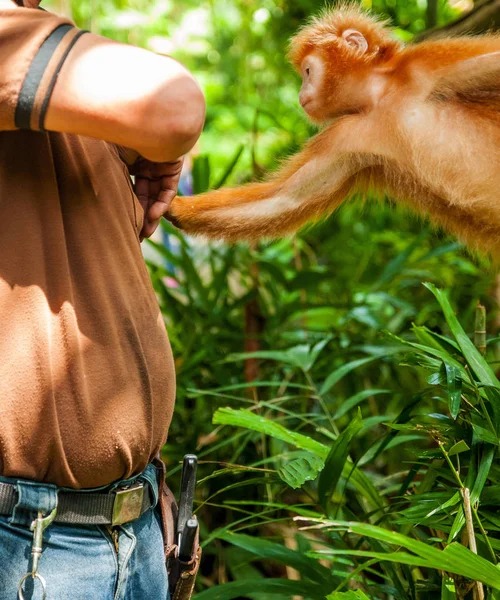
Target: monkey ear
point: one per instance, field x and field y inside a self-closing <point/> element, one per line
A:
<point x="354" y="38"/>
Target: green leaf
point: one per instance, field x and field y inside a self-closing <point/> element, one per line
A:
<point x="460" y="446"/>
<point x="493" y="395"/>
<point x="484" y="435"/>
<point x="424" y="336"/>
<point x="480" y="479"/>
<point x="308" y="278"/>
<point x="193" y="279"/>
<point x="316" y="351"/>
<point x="356" y="399"/>
<point x="448" y="591"/>
<point x="267" y="550"/>
<point x="230" y="167"/>
<point x="455" y="558"/>
<point x="357" y="595"/>
<point x="299" y="470"/>
<point x="454" y="388"/>
<point x="272" y="587"/>
<point x="335" y="462"/>
<point x="441" y="354"/>
<point x="396" y="265"/>
<point x="337" y="375"/>
<point x="477" y="363"/>
<point x="301" y="356"/>
<point x="249" y="420"/>
<point x="201" y="173"/>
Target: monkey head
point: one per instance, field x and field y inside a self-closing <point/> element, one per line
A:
<point x="334" y="54"/>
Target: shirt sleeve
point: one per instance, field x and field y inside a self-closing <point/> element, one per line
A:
<point x="33" y="47"/>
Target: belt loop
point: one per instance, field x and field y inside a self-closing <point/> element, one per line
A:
<point x="33" y="497"/>
<point x="150" y="474"/>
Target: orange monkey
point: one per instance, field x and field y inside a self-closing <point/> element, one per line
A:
<point x="419" y="122"/>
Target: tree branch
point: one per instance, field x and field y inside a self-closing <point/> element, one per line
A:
<point x="485" y="16"/>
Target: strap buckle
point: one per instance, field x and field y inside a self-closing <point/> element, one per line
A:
<point x="128" y="503"/>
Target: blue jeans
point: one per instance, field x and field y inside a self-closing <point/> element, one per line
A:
<point x="80" y="562"/>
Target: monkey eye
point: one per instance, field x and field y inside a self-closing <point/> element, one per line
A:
<point x="308" y="71"/>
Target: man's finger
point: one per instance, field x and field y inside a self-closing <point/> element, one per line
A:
<point x="160" y="207"/>
<point x="149" y="228"/>
<point x="141" y="189"/>
<point x="159" y="170"/>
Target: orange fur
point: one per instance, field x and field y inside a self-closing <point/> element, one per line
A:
<point x="421" y="123"/>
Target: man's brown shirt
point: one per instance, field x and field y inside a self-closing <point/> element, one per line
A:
<point x="87" y="381"/>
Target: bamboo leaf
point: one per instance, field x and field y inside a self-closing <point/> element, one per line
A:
<point x="459" y="447"/>
<point x="357" y="595"/>
<point x="265" y="549"/>
<point x="477" y="363"/>
<point x="455" y="558"/>
<point x="299" y="470"/>
<point x="230" y="167"/>
<point x="201" y="174"/>
<point x="342" y="371"/>
<point x="249" y="420"/>
<point x="448" y="591"/>
<point x="477" y="488"/>
<point x="271" y="587"/>
<point x="454" y="388"/>
<point x="335" y="463"/>
<point x="356" y="399"/>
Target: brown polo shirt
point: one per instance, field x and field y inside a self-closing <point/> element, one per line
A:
<point x="87" y="381"/>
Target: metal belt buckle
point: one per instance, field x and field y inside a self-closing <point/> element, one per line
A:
<point x="128" y="504"/>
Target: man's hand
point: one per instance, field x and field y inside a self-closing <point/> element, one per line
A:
<point x="155" y="187"/>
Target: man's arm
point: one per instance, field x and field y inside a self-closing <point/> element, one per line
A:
<point x="59" y="78"/>
<point x="128" y="96"/>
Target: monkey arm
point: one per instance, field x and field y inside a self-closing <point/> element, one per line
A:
<point x="475" y="80"/>
<point x="311" y="184"/>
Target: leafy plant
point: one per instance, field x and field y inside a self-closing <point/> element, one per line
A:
<point x="412" y="529"/>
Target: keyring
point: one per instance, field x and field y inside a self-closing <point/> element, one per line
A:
<point x="20" y="594"/>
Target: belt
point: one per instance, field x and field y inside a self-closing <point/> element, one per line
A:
<point x="116" y="507"/>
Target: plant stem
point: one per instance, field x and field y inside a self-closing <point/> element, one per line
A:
<point x="451" y="465"/>
<point x="473" y="508"/>
<point x="479" y="589"/>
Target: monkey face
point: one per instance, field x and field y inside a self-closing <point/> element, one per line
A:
<point x="311" y="96"/>
<point x="321" y="70"/>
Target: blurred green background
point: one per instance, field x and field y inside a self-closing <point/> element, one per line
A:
<point x="329" y="341"/>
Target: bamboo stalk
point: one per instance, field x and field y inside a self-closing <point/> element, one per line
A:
<point x="478" y="589"/>
<point x="480" y="329"/>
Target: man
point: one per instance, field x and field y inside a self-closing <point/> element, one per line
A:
<point x="86" y="375"/>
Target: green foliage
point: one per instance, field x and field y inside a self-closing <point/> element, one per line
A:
<point x="426" y="505"/>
